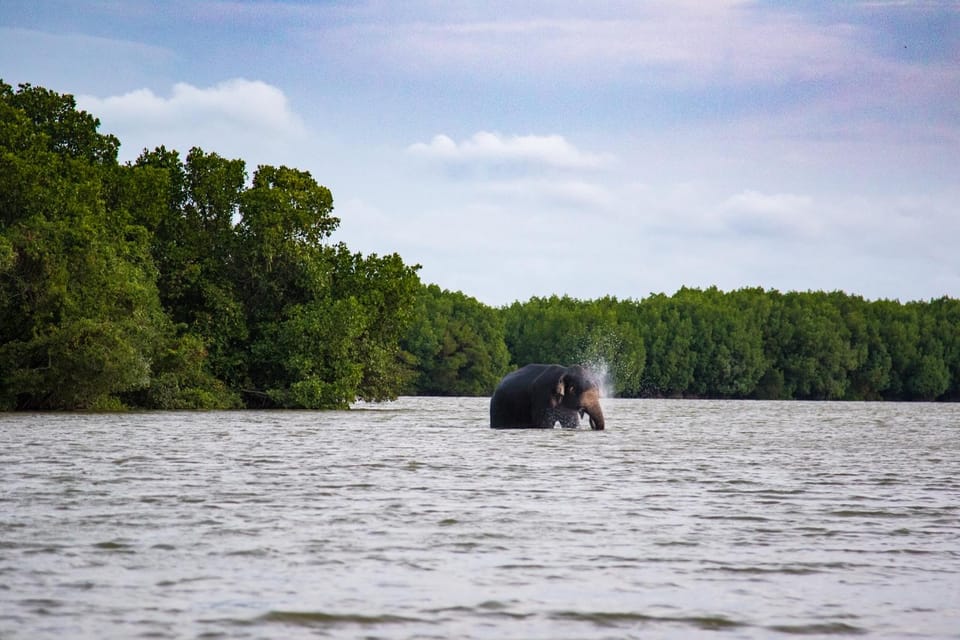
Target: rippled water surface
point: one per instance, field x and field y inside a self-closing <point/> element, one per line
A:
<point x="414" y="519"/>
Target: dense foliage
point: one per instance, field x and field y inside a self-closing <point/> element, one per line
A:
<point x="750" y="343"/>
<point x="456" y="345"/>
<point x="176" y="282"/>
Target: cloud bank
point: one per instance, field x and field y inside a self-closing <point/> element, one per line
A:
<point x="732" y="142"/>
<point x="236" y="118"/>
<point x="484" y="146"/>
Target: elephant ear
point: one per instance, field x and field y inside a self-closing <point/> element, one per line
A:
<point x="569" y="383"/>
<point x="558" y="391"/>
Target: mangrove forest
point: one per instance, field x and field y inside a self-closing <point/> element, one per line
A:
<point x="187" y="282"/>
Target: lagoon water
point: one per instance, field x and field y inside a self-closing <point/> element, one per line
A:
<point x="413" y="519"/>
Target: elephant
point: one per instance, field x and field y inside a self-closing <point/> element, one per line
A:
<point x="538" y="396"/>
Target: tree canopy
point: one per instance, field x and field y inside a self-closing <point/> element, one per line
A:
<point x="750" y="343"/>
<point x="697" y="343"/>
<point x="174" y="282"/>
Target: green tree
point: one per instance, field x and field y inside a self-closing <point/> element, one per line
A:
<point x="929" y="379"/>
<point x="726" y="342"/>
<point x="900" y="334"/>
<point x="195" y="247"/>
<point x="945" y="324"/>
<point x="457" y="344"/>
<point x="386" y="289"/>
<point x="173" y="284"/>
<point x="325" y="323"/>
<point x="81" y="319"/>
<point x="870" y="374"/>
<point x="929" y="376"/>
<point x="815" y="353"/>
<point x="545" y="330"/>
<point x="668" y="332"/>
<point x="602" y="334"/>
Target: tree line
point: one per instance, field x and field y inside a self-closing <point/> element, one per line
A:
<point x="178" y="282"/>
<point x="702" y="343"/>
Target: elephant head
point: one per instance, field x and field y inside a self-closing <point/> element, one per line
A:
<point x="578" y="389"/>
<point x="537" y="396"/>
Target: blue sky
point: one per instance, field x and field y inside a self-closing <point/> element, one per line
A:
<point x="519" y="149"/>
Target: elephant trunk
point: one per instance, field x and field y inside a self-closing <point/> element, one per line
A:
<point x="592" y="409"/>
<point x="590" y="404"/>
<point x="596" y="417"/>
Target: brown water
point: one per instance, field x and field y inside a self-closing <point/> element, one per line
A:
<point x="414" y="519"/>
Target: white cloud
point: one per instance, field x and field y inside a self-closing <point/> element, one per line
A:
<point x="236" y="118"/>
<point x="484" y="146"/>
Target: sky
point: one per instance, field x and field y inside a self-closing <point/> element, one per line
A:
<point x="517" y="149"/>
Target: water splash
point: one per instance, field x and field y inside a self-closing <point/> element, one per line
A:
<point x="597" y="355"/>
<point x="603" y="374"/>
